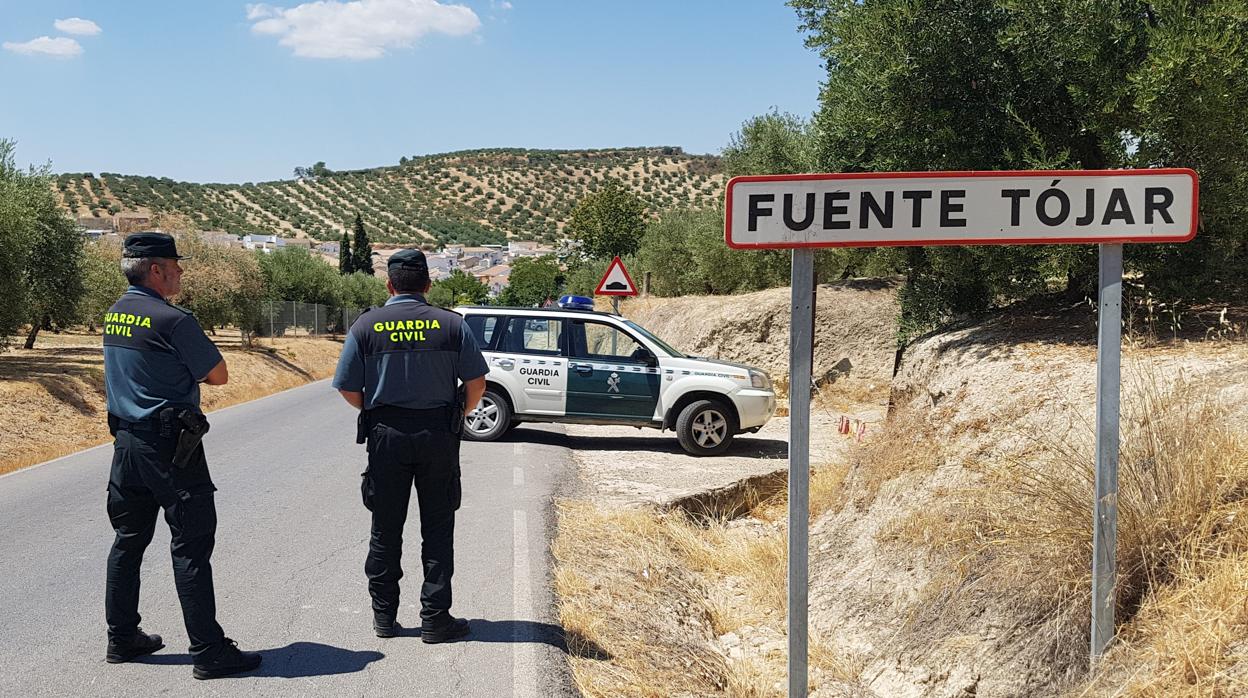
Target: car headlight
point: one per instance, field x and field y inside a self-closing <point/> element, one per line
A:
<point x="760" y="380"/>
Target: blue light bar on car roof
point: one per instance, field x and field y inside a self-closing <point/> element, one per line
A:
<point x="576" y="302"/>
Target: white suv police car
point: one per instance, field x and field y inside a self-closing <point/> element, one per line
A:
<point x="573" y="365"/>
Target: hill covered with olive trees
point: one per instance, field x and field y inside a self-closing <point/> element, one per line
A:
<point x="471" y="197"/>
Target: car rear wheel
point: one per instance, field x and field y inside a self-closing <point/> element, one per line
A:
<point x="490" y="420"/>
<point x="705" y="428"/>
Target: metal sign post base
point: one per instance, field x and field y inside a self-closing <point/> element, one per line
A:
<point x="801" y="346"/>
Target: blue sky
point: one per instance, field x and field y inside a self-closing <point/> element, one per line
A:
<point x="226" y="91"/>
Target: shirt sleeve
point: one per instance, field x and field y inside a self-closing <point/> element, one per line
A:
<point x="197" y="351"/>
<point x="349" y="375"/>
<point x="471" y="362"/>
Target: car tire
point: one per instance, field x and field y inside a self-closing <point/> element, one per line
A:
<point x="490" y="420"/>
<point x="705" y="428"/>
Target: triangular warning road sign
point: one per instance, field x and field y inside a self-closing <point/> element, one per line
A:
<point x="616" y="282"/>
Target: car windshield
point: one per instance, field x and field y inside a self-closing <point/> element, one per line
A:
<point x="646" y="333"/>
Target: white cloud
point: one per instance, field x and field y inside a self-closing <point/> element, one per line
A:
<point x="60" y="47"/>
<point x="77" y="26"/>
<point x="360" y="29"/>
<point x="505" y="5"/>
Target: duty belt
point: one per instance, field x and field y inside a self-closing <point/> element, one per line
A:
<point x="392" y="412"/>
<point x="119" y="424"/>
<point x="437" y="418"/>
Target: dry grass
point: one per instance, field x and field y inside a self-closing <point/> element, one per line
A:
<point x="52" y="400"/>
<point x="631" y="610"/>
<point x="827" y="492"/>
<point x="907" y="443"/>
<point x="1021" y="544"/>
<point x="645" y="595"/>
<point x="1190" y="639"/>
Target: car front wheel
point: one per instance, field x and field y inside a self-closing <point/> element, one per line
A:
<point x="705" y="428"/>
<point x="490" y="420"/>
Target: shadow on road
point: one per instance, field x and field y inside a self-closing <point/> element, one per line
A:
<point x="296" y="660"/>
<point x="746" y="445"/>
<point x="517" y="631"/>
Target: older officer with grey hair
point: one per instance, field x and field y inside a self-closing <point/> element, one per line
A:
<point x="155" y="357"/>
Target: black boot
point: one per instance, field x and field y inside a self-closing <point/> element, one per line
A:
<point x="229" y="660"/>
<point x="386" y="626"/>
<point x="139" y="644"/>
<point x="445" y="630"/>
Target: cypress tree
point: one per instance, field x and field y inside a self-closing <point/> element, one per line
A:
<point x="346" y="256"/>
<point x="363" y="252"/>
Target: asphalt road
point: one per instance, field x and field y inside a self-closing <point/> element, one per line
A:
<point x="289" y="569"/>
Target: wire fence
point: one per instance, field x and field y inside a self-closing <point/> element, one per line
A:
<point x="291" y="319"/>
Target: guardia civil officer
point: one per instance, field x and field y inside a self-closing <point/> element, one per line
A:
<point x="400" y="365"/>
<point x="155" y="356"/>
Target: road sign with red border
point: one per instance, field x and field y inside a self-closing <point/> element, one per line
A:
<point x="875" y="209"/>
<point x="1105" y="207"/>
<point x="616" y="282"/>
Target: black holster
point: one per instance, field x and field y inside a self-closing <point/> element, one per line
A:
<point x="362" y="427"/>
<point x="188" y="428"/>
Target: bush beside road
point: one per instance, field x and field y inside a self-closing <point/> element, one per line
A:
<point x="52" y="398"/>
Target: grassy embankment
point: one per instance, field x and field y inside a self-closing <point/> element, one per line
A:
<point x="648" y="596"/>
<point x="52" y="397"/>
<point x="643" y="594"/>
<point x="1024" y="539"/>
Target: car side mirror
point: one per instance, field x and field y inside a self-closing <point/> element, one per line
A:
<point x="649" y="359"/>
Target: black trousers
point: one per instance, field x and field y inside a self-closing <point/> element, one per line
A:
<point x="406" y="449"/>
<point x="142" y="482"/>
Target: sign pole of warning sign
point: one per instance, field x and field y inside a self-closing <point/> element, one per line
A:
<point x="876" y="209"/>
<point x="616" y="282"/>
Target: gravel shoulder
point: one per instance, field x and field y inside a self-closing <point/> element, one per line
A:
<point x="624" y="466"/>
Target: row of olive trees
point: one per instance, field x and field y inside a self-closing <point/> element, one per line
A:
<point x="51" y="278"/>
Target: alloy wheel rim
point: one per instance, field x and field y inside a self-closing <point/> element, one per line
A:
<point x="709" y="428"/>
<point x="483" y="419"/>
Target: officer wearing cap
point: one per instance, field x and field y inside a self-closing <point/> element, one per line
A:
<point x="155" y="356"/>
<point x="400" y="366"/>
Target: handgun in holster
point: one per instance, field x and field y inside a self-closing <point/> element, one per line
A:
<point x="188" y="427"/>
<point x="361" y="427"/>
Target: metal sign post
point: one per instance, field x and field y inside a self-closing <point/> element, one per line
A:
<point x="1108" y="394"/>
<point x="801" y="350"/>
<point x="876" y="209"/>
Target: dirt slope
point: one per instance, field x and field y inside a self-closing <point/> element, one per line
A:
<point x="855" y="330"/>
<point x="971" y="400"/>
<point x="899" y="608"/>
